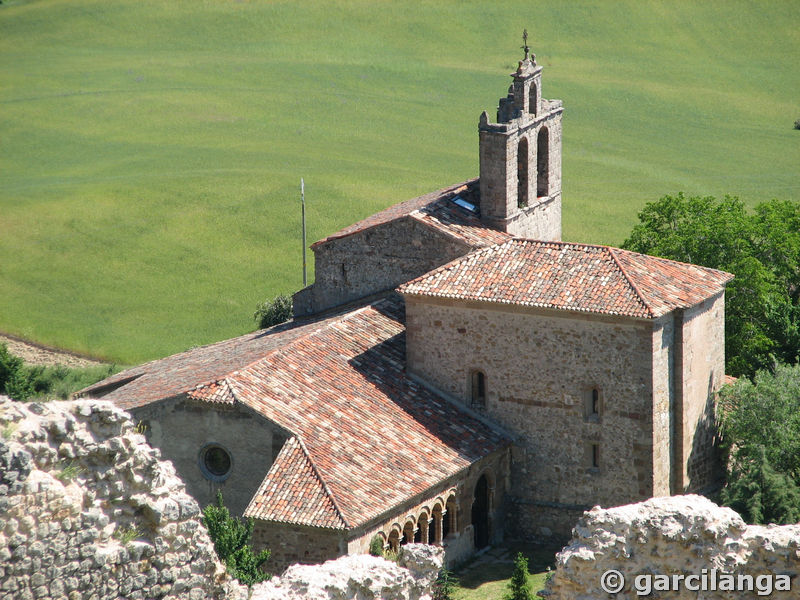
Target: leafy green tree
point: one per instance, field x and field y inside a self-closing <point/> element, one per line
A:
<point x="273" y="312"/>
<point x="9" y="365"/>
<point x="231" y="537"/>
<point x="519" y="588"/>
<point x="760" y="427"/>
<point x="376" y="546"/>
<point x="762" y="308"/>
<point x="444" y="586"/>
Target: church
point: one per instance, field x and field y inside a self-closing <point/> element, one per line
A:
<point x="456" y="373"/>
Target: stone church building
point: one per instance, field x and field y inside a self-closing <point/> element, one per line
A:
<point x="455" y="374"/>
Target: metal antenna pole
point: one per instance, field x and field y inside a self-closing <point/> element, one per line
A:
<point x="303" y="202"/>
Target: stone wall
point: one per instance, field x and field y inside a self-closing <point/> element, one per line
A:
<point x="703" y="361"/>
<point x="251" y="441"/>
<point x="88" y="510"/>
<point x="289" y="544"/>
<point x="359" y="577"/>
<point x="662" y="541"/>
<point x="373" y="260"/>
<point x="539" y="367"/>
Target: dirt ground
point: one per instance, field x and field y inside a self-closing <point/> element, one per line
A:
<point x="36" y="354"/>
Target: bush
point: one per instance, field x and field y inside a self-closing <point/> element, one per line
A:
<point x="9" y="364"/>
<point x="444" y="586"/>
<point x="273" y="312"/>
<point x="24" y="382"/>
<point x="231" y="537"/>
<point x="376" y="546"/>
<point x="797" y="124"/>
<point x="519" y="588"/>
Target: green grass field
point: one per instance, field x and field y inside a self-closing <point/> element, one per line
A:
<point x="151" y="151"/>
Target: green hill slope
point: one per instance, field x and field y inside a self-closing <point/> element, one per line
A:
<point x="151" y="151"/>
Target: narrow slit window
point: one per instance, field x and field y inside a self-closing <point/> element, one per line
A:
<point x="478" y="389"/>
<point x="595" y="456"/>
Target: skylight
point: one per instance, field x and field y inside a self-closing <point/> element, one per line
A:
<point x="464" y="204"/>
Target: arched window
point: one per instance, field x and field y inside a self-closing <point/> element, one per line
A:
<point x="532" y="100"/>
<point x="478" y="389"/>
<point x="394" y="540"/>
<point x="543" y="163"/>
<point x="436" y="525"/>
<point x="449" y="522"/>
<point x="522" y="173"/>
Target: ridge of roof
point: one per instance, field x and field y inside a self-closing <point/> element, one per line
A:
<point x="325" y="487"/>
<point x="433" y="210"/>
<point x="570" y="276"/>
<point x="630" y="281"/>
<point x="298" y="495"/>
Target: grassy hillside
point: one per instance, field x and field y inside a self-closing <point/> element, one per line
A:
<point x="151" y="151"/>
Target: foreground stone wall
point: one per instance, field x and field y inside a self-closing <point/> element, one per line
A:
<point x="677" y="536"/>
<point x="359" y="577"/>
<point x="88" y="510"/>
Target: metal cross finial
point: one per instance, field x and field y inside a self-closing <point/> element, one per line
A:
<point x="525" y="42"/>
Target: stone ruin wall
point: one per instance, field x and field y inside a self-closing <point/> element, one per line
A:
<point x="89" y="511"/>
<point x="674" y="536"/>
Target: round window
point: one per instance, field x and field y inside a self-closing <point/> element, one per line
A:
<point x="215" y="462"/>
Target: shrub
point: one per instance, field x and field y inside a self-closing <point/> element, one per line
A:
<point x="797" y="124"/>
<point x="9" y="364"/>
<point x="231" y="537"/>
<point x="519" y="588"/>
<point x="273" y="312"/>
<point x="444" y="586"/>
<point x="376" y="546"/>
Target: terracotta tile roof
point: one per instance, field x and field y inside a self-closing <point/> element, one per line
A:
<point x="437" y="210"/>
<point x="376" y="437"/>
<point x="575" y="277"/>
<point x="367" y="436"/>
<point x="216" y="391"/>
<point x="293" y="492"/>
<point x="205" y="365"/>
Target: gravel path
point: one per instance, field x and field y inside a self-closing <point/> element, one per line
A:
<point x="36" y="354"/>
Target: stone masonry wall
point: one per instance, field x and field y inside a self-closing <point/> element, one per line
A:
<point x="290" y="544"/>
<point x="89" y="511"/>
<point x="703" y="374"/>
<point x="251" y="441"/>
<point x="664" y="541"/>
<point x="539" y="368"/>
<point x="373" y="260"/>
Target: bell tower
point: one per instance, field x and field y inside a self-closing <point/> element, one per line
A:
<point x="520" y="158"/>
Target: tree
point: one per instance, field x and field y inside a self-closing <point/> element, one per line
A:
<point x="273" y="312"/>
<point x="519" y="588"/>
<point x="760" y="428"/>
<point x="444" y="586"/>
<point x="231" y="537"/>
<point x="762" y="308"/>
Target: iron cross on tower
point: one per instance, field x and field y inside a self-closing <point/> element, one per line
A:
<point x="525" y="42"/>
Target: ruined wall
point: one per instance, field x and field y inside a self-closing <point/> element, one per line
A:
<point x="678" y="536"/>
<point x="88" y="510"/>
<point x="359" y="577"/>
<point x="181" y="428"/>
<point x="373" y="260"/>
<point x="539" y="367"/>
